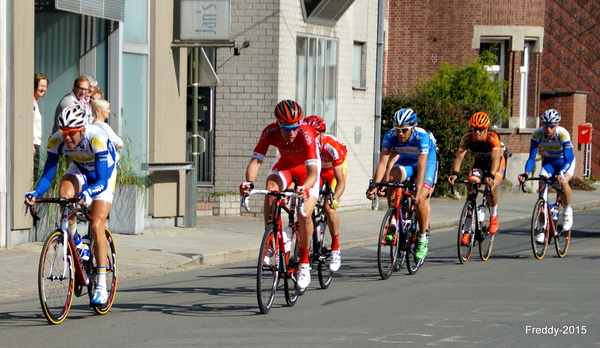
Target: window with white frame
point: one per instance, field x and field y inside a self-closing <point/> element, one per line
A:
<point x="358" y="66"/>
<point x="493" y="54"/>
<point x="524" y="71"/>
<point x="316" y="77"/>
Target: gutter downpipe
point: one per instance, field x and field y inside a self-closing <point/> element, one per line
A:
<point x="378" y="92"/>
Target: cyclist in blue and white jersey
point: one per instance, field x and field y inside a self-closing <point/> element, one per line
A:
<point x="417" y="157"/>
<point x="91" y="178"/>
<point x="558" y="162"/>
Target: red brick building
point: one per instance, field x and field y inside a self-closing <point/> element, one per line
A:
<point x="422" y="35"/>
<point x="571" y="62"/>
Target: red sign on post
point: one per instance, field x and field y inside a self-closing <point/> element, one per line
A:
<point x="585" y="134"/>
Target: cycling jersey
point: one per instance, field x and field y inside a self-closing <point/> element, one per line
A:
<point x="558" y="150"/>
<point x="302" y="150"/>
<point x="421" y="141"/>
<point x="333" y="154"/>
<point x="482" y="150"/>
<point x="292" y="158"/>
<point x="94" y="156"/>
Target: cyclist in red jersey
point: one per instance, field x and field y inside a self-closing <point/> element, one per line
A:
<point x="334" y="171"/>
<point x="489" y="162"/>
<point x="298" y="157"/>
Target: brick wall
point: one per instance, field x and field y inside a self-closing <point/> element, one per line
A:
<point x="572" y="57"/>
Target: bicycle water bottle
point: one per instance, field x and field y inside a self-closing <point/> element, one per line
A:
<point x="319" y="231"/>
<point x="481" y="213"/>
<point x="287" y="237"/>
<point x="554" y="211"/>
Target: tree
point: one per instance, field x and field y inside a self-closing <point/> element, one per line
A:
<point x="445" y="102"/>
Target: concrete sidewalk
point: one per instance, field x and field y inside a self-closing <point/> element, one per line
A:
<point x="219" y="240"/>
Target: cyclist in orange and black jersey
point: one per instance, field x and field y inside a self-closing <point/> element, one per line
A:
<point x="489" y="161"/>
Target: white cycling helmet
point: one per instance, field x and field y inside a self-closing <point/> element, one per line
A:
<point x="72" y="117"/>
<point x="551" y="116"/>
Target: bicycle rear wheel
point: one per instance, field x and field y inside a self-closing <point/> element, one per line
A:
<point x="466" y="225"/>
<point x="111" y="274"/>
<point x="486" y="239"/>
<point x="539" y="224"/>
<point x="562" y="239"/>
<point x="412" y="262"/>
<point x="292" y="291"/>
<point x="387" y="245"/>
<point x="55" y="278"/>
<point x="267" y="274"/>
<point x="324" y="253"/>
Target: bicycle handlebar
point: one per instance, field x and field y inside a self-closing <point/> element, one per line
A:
<point x="539" y="178"/>
<point x="469" y="182"/>
<point x="406" y="185"/>
<point x="59" y="200"/>
<point x="246" y="198"/>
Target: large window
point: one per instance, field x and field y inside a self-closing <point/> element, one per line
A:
<point x="493" y="54"/>
<point x="524" y="71"/>
<point x="316" y="77"/>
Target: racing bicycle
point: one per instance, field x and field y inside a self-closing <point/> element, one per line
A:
<point x="62" y="274"/>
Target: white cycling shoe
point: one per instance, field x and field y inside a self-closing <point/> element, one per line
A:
<point x="568" y="219"/>
<point x="335" y="261"/>
<point x="303" y="275"/>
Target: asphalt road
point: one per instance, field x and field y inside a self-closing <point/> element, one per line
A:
<point x="511" y="300"/>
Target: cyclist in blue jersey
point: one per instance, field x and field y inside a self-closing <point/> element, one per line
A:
<point x="91" y="178"/>
<point x="417" y="159"/>
<point x="558" y="162"/>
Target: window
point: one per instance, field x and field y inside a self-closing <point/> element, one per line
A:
<point x="524" y="71"/>
<point x="358" y="67"/>
<point x="493" y="54"/>
<point x="316" y="77"/>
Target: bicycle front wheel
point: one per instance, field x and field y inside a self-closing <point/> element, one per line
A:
<point x="111" y="274"/>
<point x="324" y="253"/>
<point x="55" y="278"/>
<point x="267" y="274"/>
<point x="562" y="239"/>
<point x="292" y="291"/>
<point x="539" y="224"/>
<point x="466" y="232"/>
<point x="486" y="239"/>
<point x="412" y="262"/>
<point x="387" y="245"/>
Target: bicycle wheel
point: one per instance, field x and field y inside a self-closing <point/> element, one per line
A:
<point x="111" y="274"/>
<point x="267" y="274"/>
<point x="55" y="278"/>
<point x="387" y="245"/>
<point x="324" y="244"/>
<point x="562" y="239"/>
<point x="539" y="224"/>
<point x="466" y="224"/>
<point x="486" y="239"/>
<point x="292" y="291"/>
<point x="412" y="262"/>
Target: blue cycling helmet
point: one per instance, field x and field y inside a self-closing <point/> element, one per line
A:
<point x="551" y="116"/>
<point x="405" y="117"/>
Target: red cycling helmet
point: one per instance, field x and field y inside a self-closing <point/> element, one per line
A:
<point x="288" y="111"/>
<point x="317" y="122"/>
<point x="479" y="120"/>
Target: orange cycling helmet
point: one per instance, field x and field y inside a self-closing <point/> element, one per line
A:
<point x="479" y="120"/>
<point x="288" y="111"/>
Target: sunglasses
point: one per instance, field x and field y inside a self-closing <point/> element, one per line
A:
<point x="289" y="128"/>
<point x="403" y="129"/>
<point x="550" y="125"/>
<point x="71" y="131"/>
<point x="478" y="129"/>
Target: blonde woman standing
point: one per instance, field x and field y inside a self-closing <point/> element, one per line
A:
<point x="101" y="111"/>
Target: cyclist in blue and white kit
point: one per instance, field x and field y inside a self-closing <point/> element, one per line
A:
<point x="558" y="162"/>
<point x="91" y="178"/>
<point x="417" y="155"/>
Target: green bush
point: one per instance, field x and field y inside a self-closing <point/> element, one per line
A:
<point x="444" y="103"/>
